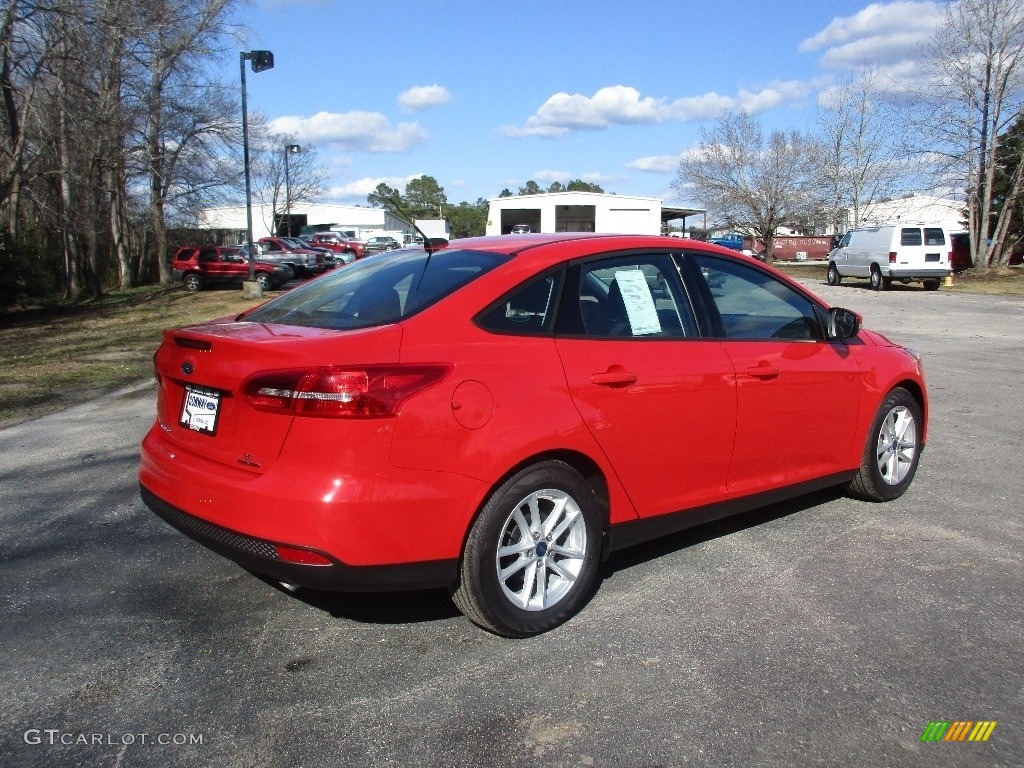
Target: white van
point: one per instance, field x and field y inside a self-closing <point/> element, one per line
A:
<point x="888" y="252"/>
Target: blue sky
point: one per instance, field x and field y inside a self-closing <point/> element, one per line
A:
<point x="485" y="95"/>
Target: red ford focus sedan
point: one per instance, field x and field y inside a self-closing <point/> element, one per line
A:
<point x="496" y="415"/>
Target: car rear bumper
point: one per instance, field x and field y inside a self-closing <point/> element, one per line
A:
<point x="262" y="557"/>
<point x="373" y="520"/>
<point x="917" y="274"/>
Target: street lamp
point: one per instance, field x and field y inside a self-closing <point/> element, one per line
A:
<point x="289" y="149"/>
<point x="261" y="60"/>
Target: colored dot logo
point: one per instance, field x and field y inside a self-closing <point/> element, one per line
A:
<point x="958" y="730"/>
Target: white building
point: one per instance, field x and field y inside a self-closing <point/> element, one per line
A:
<point x="915" y="208"/>
<point x="582" y="212"/>
<point x="354" y="220"/>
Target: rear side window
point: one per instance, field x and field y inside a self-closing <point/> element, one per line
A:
<point x="377" y="291"/>
<point x="934" y="236"/>
<point x="910" y="236"/>
<point x="529" y="310"/>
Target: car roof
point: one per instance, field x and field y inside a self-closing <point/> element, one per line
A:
<point x="516" y="243"/>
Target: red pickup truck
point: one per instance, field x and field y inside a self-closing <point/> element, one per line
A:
<point x="199" y="265"/>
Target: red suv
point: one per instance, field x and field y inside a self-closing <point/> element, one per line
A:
<point x="335" y="242"/>
<point x="198" y="266"/>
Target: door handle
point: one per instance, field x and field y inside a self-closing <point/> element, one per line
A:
<point x="763" y="371"/>
<point x="618" y="378"/>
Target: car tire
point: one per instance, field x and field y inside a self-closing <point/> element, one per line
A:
<point x="878" y="282"/>
<point x="192" y="282"/>
<point x="931" y="285"/>
<point x="265" y="282"/>
<point x="892" y="450"/>
<point x="833" y="277"/>
<point x="531" y="556"/>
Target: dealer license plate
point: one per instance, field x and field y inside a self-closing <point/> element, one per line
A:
<point x="200" y="410"/>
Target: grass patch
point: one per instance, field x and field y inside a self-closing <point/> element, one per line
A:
<point x="55" y="356"/>
<point x="1006" y="281"/>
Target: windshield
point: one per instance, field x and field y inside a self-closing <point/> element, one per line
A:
<point x="378" y="290"/>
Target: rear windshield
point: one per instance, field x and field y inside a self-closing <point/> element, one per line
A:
<point x="378" y="290"/>
<point x="910" y="236"/>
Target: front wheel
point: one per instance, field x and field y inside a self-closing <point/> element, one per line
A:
<point x="532" y="554"/>
<point x="833" y="277"/>
<point x="265" y="282"/>
<point x="892" y="451"/>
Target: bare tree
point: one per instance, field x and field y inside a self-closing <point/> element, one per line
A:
<point x="188" y="114"/>
<point x="272" y="188"/>
<point x="861" y="162"/>
<point x="976" y="91"/>
<point x="752" y="182"/>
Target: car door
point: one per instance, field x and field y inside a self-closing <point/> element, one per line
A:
<point x="210" y="264"/>
<point x="797" y="393"/>
<point x="659" y="400"/>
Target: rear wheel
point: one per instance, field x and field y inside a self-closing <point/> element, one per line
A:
<point x="532" y="554"/>
<point x="878" y="283"/>
<point x="192" y="282"/>
<point x="833" y="278"/>
<point x="931" y="285"/>
<point x="892" y="451"/>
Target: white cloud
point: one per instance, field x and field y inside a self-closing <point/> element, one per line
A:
<point x="878" y="20"/>
<point x="881" y="34"/>
<point x="550" y="176"/>
<point x="354" y="131"/>
<point x="564" y="113"/>
<point x="656" y="163"/>
<point x="421" y="97"/>
<point x="357" y="190"/>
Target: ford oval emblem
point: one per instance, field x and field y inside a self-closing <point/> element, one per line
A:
<point x="187" y="368"/>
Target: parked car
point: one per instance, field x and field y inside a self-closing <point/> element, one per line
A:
<point x="960" y="251"/>
<point x="380" y="243"/>
<point x="521" y="229"/>
<point x="732" y="241"/>
<point x="283" y="250"/>
<point x="496" y="417"/>
<point x="902" y="252"/>
<point x="199" y="266"/>
<point x="351" y="249"/>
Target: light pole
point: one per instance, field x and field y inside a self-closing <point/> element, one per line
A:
<point x="289" y="149"/>
<point x="261" y="60"/>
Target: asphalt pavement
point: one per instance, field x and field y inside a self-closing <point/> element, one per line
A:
<point x="820" y="632"/>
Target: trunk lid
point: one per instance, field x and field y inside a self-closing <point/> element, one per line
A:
<point x="201" y="369"/>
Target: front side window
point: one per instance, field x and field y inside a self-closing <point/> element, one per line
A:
<point x="747" y="303"/>
<point x="376" y="292"/>
<point x="626" y="297"/>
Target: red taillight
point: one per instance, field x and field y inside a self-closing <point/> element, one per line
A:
<point x="301" y="556"/>
<point x="892" y="257"/>
<point x="341" y="392"/>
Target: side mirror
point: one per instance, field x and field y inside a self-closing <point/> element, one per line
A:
<point x="843" y="323"/>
